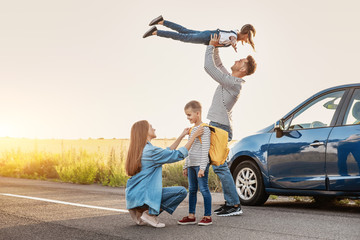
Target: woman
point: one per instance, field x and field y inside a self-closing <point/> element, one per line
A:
<point x="145" y="197"/>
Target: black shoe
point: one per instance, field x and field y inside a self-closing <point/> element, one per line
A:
<point x="230" y="211"/>
<point x="156" y="20"/>
<point x="149" y="32"/>
<point x="220" y="208"/>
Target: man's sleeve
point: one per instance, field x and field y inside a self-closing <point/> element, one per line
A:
<point x="223" y="78"/>
<point x="218" y="62"/>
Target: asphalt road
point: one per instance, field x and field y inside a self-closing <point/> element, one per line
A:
<point x="27" y="211"/>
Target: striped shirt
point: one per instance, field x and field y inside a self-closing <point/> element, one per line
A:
<point x="228" y="91"/>
<point x="199" y="151"/>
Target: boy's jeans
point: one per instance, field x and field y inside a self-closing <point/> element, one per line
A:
<point x="194" y="182"/>
<point x="186" y="35"/>
<point x="223" y="171"/>
<point x="170" y="199"/>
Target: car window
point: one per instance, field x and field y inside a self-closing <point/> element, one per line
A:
<point x="352" y="115"/>
<point x="317" y="113"/>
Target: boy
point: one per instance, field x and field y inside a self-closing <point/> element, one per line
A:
<point x="196" y="167"/>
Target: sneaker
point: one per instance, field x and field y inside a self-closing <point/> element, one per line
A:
<point x="151" y="220"/>
<point x="220" y="208"/>
<point x="187" y="221"/>
<point x="149" y="32"/>
<point x="205" y="221"/>
<point x="156" y="20"/>
<point x="135" y="215"/>
<point x="230" y="211"/>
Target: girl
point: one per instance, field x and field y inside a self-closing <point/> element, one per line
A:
<point x="227" y="38"/>
<point x="145" y="197"/>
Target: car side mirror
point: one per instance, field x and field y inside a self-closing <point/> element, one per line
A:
<point x="279" y="128"/>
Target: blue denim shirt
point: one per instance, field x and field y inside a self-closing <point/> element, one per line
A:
<point x="146" y="186"/>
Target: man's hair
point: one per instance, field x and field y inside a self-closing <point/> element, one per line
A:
<point x="195" y="105"/>
<point x="250" y="65"/>
<point x="250" y="31"/>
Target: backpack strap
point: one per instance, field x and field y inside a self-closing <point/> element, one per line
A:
<point x="199" y="137"/>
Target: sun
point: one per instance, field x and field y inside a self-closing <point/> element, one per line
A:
<point x="6" y="130"/>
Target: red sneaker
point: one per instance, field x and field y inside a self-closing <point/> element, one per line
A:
<point x="186" y="221"/>
<point x="205" y="221"/>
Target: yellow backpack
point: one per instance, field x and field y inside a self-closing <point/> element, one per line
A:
<point x="218" y="144"/>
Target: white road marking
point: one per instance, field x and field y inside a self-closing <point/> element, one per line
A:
<point x="66" y="203"/>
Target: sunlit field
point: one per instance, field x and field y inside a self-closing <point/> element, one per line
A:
<point x="83" y="161"/>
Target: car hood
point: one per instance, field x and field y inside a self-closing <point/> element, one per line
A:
<point x="265" y="130"/>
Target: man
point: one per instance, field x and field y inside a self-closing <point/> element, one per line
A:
<point x="225" y="97"/>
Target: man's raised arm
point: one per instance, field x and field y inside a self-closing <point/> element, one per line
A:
<point x="213" y="65"/>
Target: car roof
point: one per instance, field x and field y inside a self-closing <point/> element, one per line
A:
<point x="353" y="85"/>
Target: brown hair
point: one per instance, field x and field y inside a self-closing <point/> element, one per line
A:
<point x="250" y="65"/>
<point x="195" y="105"/>
<point x="250" y="31"/>
<point x="138" y="140"/>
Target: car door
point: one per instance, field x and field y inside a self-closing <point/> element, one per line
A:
<point x="343" y="149"/>
<point x="297" y="159"/>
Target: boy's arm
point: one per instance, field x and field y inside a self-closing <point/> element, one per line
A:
<point x="205" y="147"/>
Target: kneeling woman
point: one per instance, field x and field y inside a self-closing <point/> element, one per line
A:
<point x="145" y="196"/>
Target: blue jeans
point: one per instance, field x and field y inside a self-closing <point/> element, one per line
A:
<point x="194" y="182"/>
<point x="223" y="171"/>
<point x="171" y="197"/>
<point x="186" y="35"/>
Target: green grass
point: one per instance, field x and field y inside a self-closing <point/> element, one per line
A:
<point x="85" y="165"/>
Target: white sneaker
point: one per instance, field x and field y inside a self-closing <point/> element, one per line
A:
<point x="151" y="220"/>
<point x="135" y="215"/>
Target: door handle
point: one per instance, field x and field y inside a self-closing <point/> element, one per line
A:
<point x="316" y="144"/>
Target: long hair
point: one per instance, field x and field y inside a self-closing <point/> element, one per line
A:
<point x="250" y="31"/>
<point x="138" y="140"/>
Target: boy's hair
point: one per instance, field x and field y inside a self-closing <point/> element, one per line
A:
<point x="251" y="65"/>
<point x="250" y="31"/>
<point x="195" y="105"/>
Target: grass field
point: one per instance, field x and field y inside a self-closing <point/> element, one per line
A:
<point x="81" y="161"/>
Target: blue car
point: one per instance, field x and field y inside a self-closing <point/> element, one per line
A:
<point x="314" y="150"/>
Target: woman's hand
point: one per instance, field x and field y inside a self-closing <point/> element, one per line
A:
<point x="199" y="132"/>
<point x="196" y="134"/>
<point x="185" y="132"/>
<point x="201" y="173"/>
<point x="185" y="172"/>
<point x="214" y="40"/>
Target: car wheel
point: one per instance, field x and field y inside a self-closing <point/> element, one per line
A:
<point x="249" y="184"/>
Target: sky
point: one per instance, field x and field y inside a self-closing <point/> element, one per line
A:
<point x="74" y="69"/>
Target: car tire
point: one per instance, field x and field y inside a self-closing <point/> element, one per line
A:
<point x="249" y="184"/>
